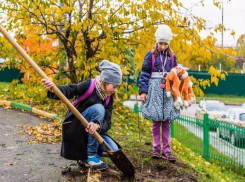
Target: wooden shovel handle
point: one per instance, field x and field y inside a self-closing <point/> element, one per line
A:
<point x="43" y="75"/>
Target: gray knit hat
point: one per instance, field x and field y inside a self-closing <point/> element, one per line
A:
<point x="163" y="34"/>
<point x="110" y="72"/>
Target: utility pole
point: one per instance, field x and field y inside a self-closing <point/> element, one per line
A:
<point x="222" y="24"/>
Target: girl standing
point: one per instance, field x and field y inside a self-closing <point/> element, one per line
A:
<point x="155" y="104"/>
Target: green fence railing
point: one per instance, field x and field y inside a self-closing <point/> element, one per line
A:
<point x="7" y="75"/>
<point x="216" y="140"/>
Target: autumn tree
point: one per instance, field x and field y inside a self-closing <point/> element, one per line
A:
<point x="7" y="52"/>
<point x="225" y="57"/>
<point x="240" y="46"/>
<point x="91" y="30"/>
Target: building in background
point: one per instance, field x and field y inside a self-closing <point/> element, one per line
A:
<point x="239" y="62"/>
<point x="2" y="61"/>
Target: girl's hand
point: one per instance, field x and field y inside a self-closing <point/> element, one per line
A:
<point x="48" y="84"/>
<point x="143" y="97"/>
<point x="92" y="127"/>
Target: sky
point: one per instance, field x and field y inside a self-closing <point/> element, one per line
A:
<point x="233" y="14"/>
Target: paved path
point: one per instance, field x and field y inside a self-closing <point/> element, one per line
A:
<point x="22" y="162"/>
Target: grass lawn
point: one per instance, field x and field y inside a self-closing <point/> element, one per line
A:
<point x="227" y="99"/>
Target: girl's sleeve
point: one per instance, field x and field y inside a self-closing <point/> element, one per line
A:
<point x="71" y="90"/>
<point x="145" y="73"/>
<point x="105" y="125"/>
<point x="175" y="61"/>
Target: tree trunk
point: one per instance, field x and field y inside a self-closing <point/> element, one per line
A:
<point x="72" y="70"/>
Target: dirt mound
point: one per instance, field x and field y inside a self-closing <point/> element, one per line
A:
<point x="163" y="171"/>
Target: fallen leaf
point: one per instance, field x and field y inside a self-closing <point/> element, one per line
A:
<point x="8" y="164"/>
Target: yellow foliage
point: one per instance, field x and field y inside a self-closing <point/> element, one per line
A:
<point x="50" y="133"/>
<point x="85" y="41"/>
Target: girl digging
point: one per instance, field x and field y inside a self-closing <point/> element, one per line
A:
<point x="155" y="104"/>
<point x="78" y="142"/>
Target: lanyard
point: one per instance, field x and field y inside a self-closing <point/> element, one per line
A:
<point x="163" y="65"/>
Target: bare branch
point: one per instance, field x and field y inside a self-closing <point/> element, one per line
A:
<point x="95" y="10"/>
<point x="116" y="10"/>
<point x="56" y="25"/>
<point x="98" y="7"/>
<point x="53" y="69"/>
<point x="81" y="7"/>
<point x="91" y="2"/>
<point x="67" y="32"/>
<point x="57" y="5"/>
<point x="74" y="39"/>
<point x="96" y="48"/>
<point x="217" y="52"/>
<point x="45" y="22"/>
<point x="142" y="27"/>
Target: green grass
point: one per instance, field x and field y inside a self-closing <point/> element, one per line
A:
<point x="125" y="130"/>
<point x="35" y="96"/>
<point x="227" y="99"/>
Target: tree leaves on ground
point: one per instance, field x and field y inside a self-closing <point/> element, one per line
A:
<point x="44" y="133"/>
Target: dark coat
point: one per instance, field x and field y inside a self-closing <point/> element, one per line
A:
<point x="146" y="69"/>
<point x="74" y="136"/>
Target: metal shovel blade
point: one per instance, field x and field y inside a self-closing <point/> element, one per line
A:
<point x="122" y="162"/>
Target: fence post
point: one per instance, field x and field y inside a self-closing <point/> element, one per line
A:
<point x="205" y="137"/>
<point x="172" y="129"/>
<point x="136" y="110"/>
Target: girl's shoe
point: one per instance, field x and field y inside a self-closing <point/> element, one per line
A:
<point x="96" y="163"/>
<point x="169" y="156"/>
<point x="156" y="154"/>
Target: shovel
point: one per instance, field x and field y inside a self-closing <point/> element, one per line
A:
<point x="117" y="157"/>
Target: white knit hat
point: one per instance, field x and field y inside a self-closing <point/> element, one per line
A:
<point x="163" y="34"/>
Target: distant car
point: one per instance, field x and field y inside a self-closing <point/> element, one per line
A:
<point x="214" y="108"/>
<point x="243" y="106"/>
<point x="233" y="127"/>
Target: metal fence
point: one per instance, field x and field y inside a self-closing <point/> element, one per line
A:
<point x="7" y="75"/>
<point x="217" y="141"/>
<point x="222" y="89"/>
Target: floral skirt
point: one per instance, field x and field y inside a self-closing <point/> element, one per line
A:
<point x="158" y="107"/>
